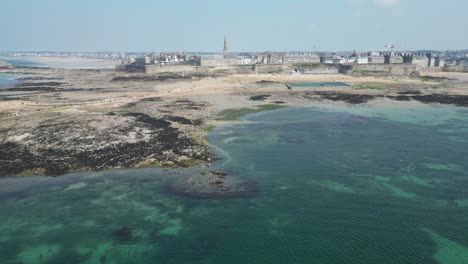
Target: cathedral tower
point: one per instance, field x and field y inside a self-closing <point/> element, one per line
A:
<point x="225" y="51"/>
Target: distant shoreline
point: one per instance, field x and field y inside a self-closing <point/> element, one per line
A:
<point x="66" y="62"/>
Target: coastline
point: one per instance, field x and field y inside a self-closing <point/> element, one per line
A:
<point x="64" y="120"/>
<point x="66" y="62"/>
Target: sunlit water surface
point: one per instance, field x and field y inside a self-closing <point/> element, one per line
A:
<point x="337" y="184"/>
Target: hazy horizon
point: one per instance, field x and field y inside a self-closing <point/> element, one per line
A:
<point x="199" y="26"/>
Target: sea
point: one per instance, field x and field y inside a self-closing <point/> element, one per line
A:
<point x="61" y="63"/>
<point x="9" y="80"/>
<point x="372" y="183"/>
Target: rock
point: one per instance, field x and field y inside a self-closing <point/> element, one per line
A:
<point x="124" y="233"/>
<point x="198" y="186"/>
<point x="218" y="173"/>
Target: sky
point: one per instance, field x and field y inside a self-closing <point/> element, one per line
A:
<point x="250" y="25"/>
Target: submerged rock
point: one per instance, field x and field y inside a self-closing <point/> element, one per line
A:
<point x="124" y="233"/>
<point x="214" y="186"/>
<point x="218" y="173"/>
<point x="291" y="139"/>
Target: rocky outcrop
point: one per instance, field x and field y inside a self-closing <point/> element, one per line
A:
<point x="82" y="142"/>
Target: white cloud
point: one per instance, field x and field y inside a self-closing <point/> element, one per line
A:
<point x="393" y="6"/>
<point x="387" y="3"/>
<point x="313" y="28"/>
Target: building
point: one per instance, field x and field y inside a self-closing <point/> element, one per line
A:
<point x="225" y="50"/>
<point x="300" y="57"/>
<point x="245" y="58"/>
<point x="214" y="61"/>
<point x="376" y="59"/>
<point x="362" y="59"/>
<point x="269" y="58"/>
<point x="428" y="60"/>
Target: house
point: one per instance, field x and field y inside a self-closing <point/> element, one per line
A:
<point x="300" y="57"/>
<point x="214" y="61"/>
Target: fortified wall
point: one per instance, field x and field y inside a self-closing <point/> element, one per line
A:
<point x="455" y="68"/>
<point x="231" y="69"/>
<point x="380" y="70"/>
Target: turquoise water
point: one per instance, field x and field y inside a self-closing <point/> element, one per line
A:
<point x="336" y="184"/>
<point x="318" y="84"/>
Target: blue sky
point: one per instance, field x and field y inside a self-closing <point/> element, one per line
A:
<point x="251" y="25"/>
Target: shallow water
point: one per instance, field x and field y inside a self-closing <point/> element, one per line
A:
<point x="59" y="63"/>
<point x="8" y="80"/>
<point x="337" y="184"/>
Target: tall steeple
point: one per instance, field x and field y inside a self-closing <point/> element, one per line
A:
<point x="225" y="51"/>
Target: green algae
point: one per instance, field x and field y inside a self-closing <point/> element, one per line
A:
<point x="173" y="227"/>
<point x="461" y="202"/>
<point x="75" y="186"/>
<point x="458" y="139"/>
<point x="235" y="113"/>
<point x="39" y="254"/>
<point x="448" y="251"/>
<point x="443" y="167"/>
<point x="382" y="178"/>
<point x="333" y="186"/>
<point x="398" y="192"/>
<point x="42" y="229"/>
<point x="418" y="180"/>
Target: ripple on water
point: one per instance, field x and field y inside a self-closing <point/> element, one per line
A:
<point x="448" y="251"/>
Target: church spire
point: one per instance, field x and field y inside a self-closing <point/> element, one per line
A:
<point x="225" y="51"/>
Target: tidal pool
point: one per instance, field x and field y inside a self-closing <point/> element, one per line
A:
<point x="334" y="184"/>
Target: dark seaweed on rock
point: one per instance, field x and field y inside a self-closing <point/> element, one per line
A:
<point x="37" y="88"/>
<point x="179" y="119"/>
<point x="153" y="122"/>
<point x="124" y="233"/>
<point x="260" y="97"/>
<point x="8" y="98"/>
<point x="410" y="92"/>
<point x="248" y="188"/>
<point x="459" y="100"/>
<point x="39" y="78"/>
<point x="39" y="84"/>
<point x="53" y="156"/>
<point x="160" y="77"/>
<point x="151" y="99"/>
<point x="15" y="158"/>
<point x="400" y="98"/>
<point x="345" y="97"/>
<point x="266" y="81"/>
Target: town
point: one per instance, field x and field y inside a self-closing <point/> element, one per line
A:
<point x="403" y="62"/>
